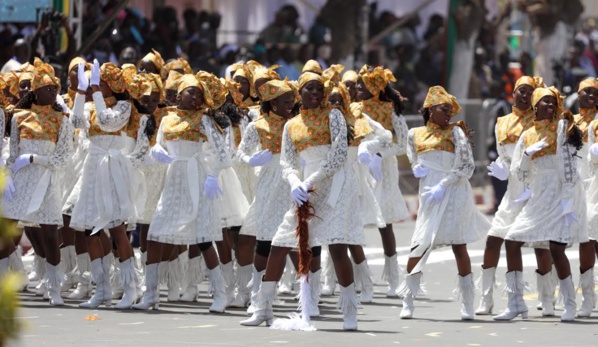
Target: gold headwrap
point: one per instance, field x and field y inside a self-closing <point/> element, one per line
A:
<point x="588" y="82"/>
<point x="75" y="62"/>
<point x="43" y="75"/>
<point x="156" y="82"/>
<point x="310" y="76"/>
<point x="233" y="89"/>
<point x="275" y="88"/>
<point x="539" y="93"/>
<point x="265" y="72"/>
<point x="187" y="81"/>
<point x="214" y="92"/>
<point x="350" y="75"/>
<point x="178" y="64"/>
<point x="312" y="66"/>
<point x="333" y="73"/>
<point x="113" y="76"/>
<point x="376" y="80"/>
<point x="437" y="95"/>
<point x="26" y="67"/>
<point x="139" y="87"/>
<point x="12" y="81"/>
<point x="173" y="80"/>
<point x="534" y="82"/>
<point x="155" y="58"/>
<point x="344" y="93"/>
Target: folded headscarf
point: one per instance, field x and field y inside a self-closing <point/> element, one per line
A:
<point x="214" y="92"/>
<point x="113" y="76"/>
<point x="534" y="82"/>
<point x="187" y="81"/>
<point x="539" y="93"/>
<point x="275" y="88"/>
<point x="588" y="82"/>
<point x="139" y="87"/>
<point x="342" y="90"/>
<point x="333" y="73"/>
<point x="156" y="82"/>
<point x="312" y="66"/>
<point x="310" y="76"/>
<point x="376" y="80"/>
<point x="43" y="75"/>
<point x="178" y="64"/>
<point x="350" y="75"/>
<point x="75" y="62"/>
<point x="26" y="67"/>
<point x="437" y="95"/>
<point x="173" y="80"/>
<point x="155" y="57"/>
<point x="12" y="81"/>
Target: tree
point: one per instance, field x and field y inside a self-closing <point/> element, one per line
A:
<point x="341" y="17"/>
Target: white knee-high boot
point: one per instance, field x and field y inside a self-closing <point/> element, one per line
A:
<point x="219" y="288"/>
<point x="15" y="263"/>
<point x="151" y="296"/>
<point x="192" y="278"/>
<point x="329" y="275"/>
<point x="546" y="287"/>
<point x="84" y="286"/>
<point x="515" y="305"/>
<point x="128" y="278"/>
<point x="487" y="283"/>
<point x="348" y="304"/>
<point x="588" y="299"/>
<point x="263" y="306"/>
<point x="391" y="275"/>
<point x="466" y="289"/>
<point x="409" y="289"/>
<point x="68" y="262"/>
<point x="243" y="291"/>
<point x="256" y="281"/>
<point x="568" y="291"/>
<point x="55" y="279"/>
<point x="364" y="275"/>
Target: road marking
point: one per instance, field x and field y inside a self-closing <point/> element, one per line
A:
<point x="197" y="326"/>
<point x="371" y="334"/>
<point x="133" y="323"/>
<point x="434" y="334"/>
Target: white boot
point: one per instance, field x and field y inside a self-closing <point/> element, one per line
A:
<point x="229" y="281"/>
<point x="409" y="289"/>
<point x="15" y="263"/>
<point x="115" y="280"/>
<point x="364" y="275"/>
<point x="288" y="278"/>
<point x="329" y="275"/>
<point x="128" y="277"/>
<point x="568" y="290"/>
<point x="68" y="262"/>
<point x="41" y="288"/>
<point x="256" y="281"/>
<point x="588" y="299"/>
<point x="348" y="304"/>
<point x="192" y="278"/>
<point x="102" y="280"/>
<point x="466" y="289"/>
<point x="219" y="288"/>
<point x="84" y="287"/>
<point x="515" y="304"/>
<point x="55" y="279"/>
<point x="314" y="287"/>
<point x="151" y="296"/>
<point x="36" y="268"/>
<point x="546" y="293"/>
<point x="142" y="261"/>
<point x="391" y="275"/>
<point x="263" y="306"/>
<point x="487" y="301"/>
<point x="174" y="278"/>
<point x="243" y="294"/>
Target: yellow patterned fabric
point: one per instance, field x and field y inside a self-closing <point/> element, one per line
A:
<point x="432" y="137"/>
<point x="269" y="129"/>
<point x="134" y="122"/>
<point x="178" y="64"/>
<point x="69" y="98"/>
<point x="510" y="127"/>
<point x="173" y="81"/>
<point x="94" y="127"/>
<point x="159" y="114"/>
<point x="539" y="93"/>
<point x="361" y="127"/>
<point x="380" y="111"/>
<point x="588" y="82"/>
<point x="263" y="72"/>
<point x="534" y="82"/>
<point x="376" y="80"/>
<point x="350" y="76"/>
<point x="183" y="125"/>
<point x="214" y="92"/>
<point x="139" y="87"/>
<point x="187" y="81"/>
<point x="583" y="120"/>
<point x="437" y="95"/>
<point x="156" y="82"/>
<point x="75" y="62"/>
<point x="26" y="67"/>
<point x="341" y="90"/>
<point x="312" y="66"/>
<point x="275" y="88"/>
<point x="310" y="76"/>
<point x="546" y="128"/>
<point x="310" y="128"/>
<point x="113" y="76"/>
<point x="333" y="73"/>
<point x="39" y="123"/>
<point x="155" y="57"/>
<point x="237" y="137"/>
<point x="12" y="81"/>
<point x="43" y="75"/>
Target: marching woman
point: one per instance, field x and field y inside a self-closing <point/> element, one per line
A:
<point x="317" y="135"/>
<point x="151" y="63"/>
<point x="40" y="144"/>
<point x="186" y="212"/>
<point x="377" y="100"/>
<point x="544" y="160"/>
<point x="107" y="196"/>
<point x="170" y="88"/>
<point x="508" y="130"/>
<point x="260" y="147"/>
<point x="441" y="156"/>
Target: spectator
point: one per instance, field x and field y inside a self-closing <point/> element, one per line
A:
<point x="21" y="52"/>
<point x="323" y="55"/>
<point x="286" y="64"/>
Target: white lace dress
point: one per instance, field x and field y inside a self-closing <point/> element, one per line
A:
<point x="552" y="179"/>
<point x="107" y="197"/>
<point x="246" y="174"/>
<point x="184" y="216"/>
<point x="455" y="219"/>
<point x="591" y="184"/>
<point x="336" y="201"/>
<point x="73" y="177"/>
<point x="38" y="191"/>
<point x="387" y="192"/>
<point x="272" y="192"/>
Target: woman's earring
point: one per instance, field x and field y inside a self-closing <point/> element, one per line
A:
<point x="274" y="108"/>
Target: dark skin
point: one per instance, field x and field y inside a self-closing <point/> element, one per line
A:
<point x="191" y="98"/>
<point x="546" y="108"/>
<point x="361" y="91"/>
<point x="351" y="86"/>
<point x="258" y="84"/>
<point x="147" y="66"/>
<point x="244" y="86"/>
<point x="24" y="88"/>
<point x="151" y="101"/>
<point x="74" y="78"/>
<point x="46" y="95"/>
<point x="588" y="98"/>
<point x="441" y="114"/>
<point x="523" y="97"/>
<point x="312" y="94"/>
<point x="283" y="105"/>
<point x="170" y="96"/>
<point x="336" y="100"/>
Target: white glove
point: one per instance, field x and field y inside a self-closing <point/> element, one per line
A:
<point x="420" y="171"/>
<point x="161" y="155"/>
<point x="570" y="217"/>
<point x="498" y="170"/>
<point x="95" y="73"/>
<point x="260" y="158"/>
<point x="83" y="81"/>
<point x="10" y="189"/>
<point x="364" y="158"/>
<point x="299" y="193"/>
<point x="536" y="147"/>
<point x="21" y="161"/>
<point x="527" y="193"/>
<point x="375" y="167"/>
<point x="211" y="189"/>
<point x="433" y="194"/>
<point x="594" y="150"/>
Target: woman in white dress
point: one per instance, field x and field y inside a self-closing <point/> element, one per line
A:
<point x="544" y="160"/>
<point x="441" y="156"/>
<point x="317" y="135"/>
<point x="41" y="143"/>
<point x="107" y="198"/>
<point x="376" y="100"/>
<point x="186" y="212"/>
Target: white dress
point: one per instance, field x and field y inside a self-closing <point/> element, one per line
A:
<point x="184" y="216"/>
<point x="246" y="174"/>
<point x="552" y="179"/>
<point x="336" y="200"/>
<point x="107" y="197"/>
<point x="591" y="183"/>
<point x="387" y="192"/>
<point x="73" y="177"/>
<point x="455" y="219"/>
<point x="38" y="191"/>
<point x="272" y="192"/>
